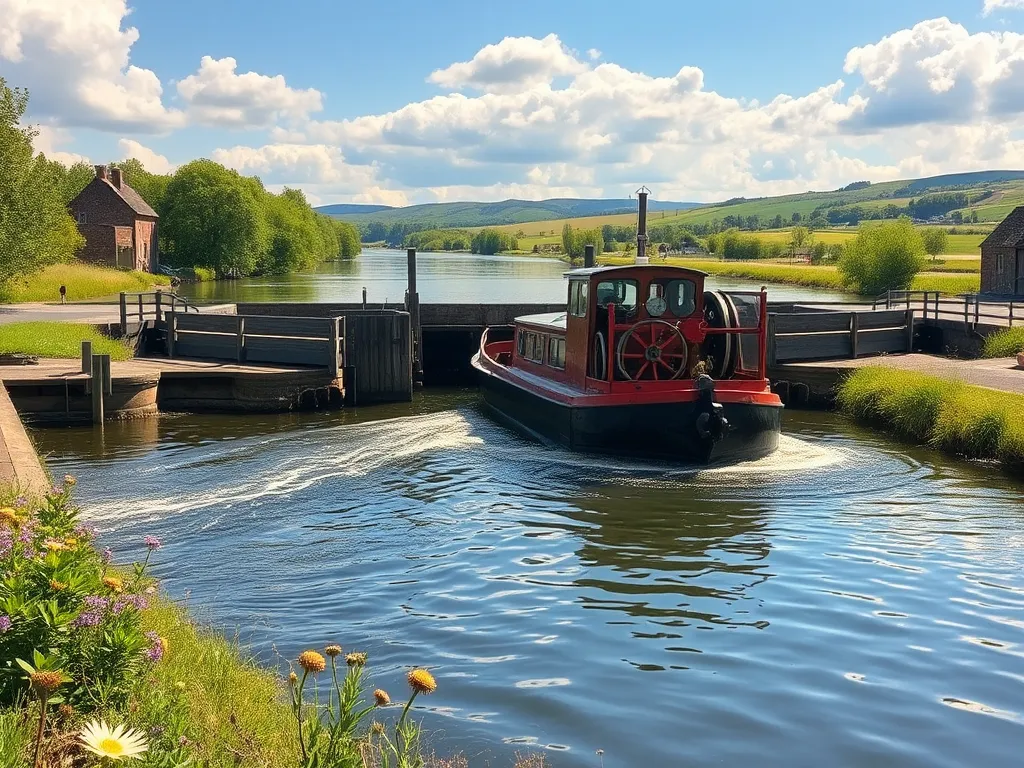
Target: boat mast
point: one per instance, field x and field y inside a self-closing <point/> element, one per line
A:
<point x="641" y="227"/>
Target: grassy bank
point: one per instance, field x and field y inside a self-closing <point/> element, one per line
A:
<point x="63" y="340"/>
<point x="83" y="281"/>
<point x="812" y="276"/>
<point x="964" y="420"/>
<point x="1005" y="343"/>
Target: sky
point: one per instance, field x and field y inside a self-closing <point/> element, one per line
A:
<point x="407" y="102"/>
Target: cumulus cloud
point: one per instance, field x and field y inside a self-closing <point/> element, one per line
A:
<point x="218" y="95"/>
<point x="294" y="163"/>
<point x="48" y="141"/>
<point x="151" y="161"/>
<point x="75" y="60"/>
<point x="512" y="64"/>
<point x="994" y="5"/>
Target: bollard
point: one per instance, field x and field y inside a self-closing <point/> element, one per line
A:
<point x="86" y="357"/>
<point x="364" y="297"/>
<point x="96" y="389"/>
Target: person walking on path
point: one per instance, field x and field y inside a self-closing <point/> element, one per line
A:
<point x="63" y="294"/>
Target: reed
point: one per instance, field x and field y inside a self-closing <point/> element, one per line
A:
<point x="83" y="281"/>
<point x="965" y="420"/>
<point x="1005" y="343"/>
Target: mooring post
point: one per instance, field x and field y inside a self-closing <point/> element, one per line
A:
<point x="158" y="302"/>
<point x="588" y="256"/>
<point x="364" y="297"/>
<point x="240" y="339"/>
<point x="87" y="357"/>
<point x="124" y="314"/>
<point x="413" y="307"/>
<point x="97" y="388"/>
<point x="854" y="329"/>
<point x="910" y="330"/>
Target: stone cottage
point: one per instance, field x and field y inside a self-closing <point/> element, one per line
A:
<point x="1002" y="257"/>
<point x="119" y="227"/>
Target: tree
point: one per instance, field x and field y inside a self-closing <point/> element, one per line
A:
<point x="35" y="226"/>
<point x="935" y="241"/>
<point x="567" y="240"/>
<point x="883" y="257"/>
<point x="796" y="217"/>
<point x="152" y="186"/>
<point x="215" y="218"/>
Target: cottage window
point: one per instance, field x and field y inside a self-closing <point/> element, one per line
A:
<point x="556" y="352"/>
<point x="1000" y="264"/>
<point x="81" y="217"/>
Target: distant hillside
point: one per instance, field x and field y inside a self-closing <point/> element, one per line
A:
<point x="338" y="209"/>
<point x="444" y="215"/>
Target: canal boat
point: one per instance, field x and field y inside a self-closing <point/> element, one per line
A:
<point x="643" y="362"/>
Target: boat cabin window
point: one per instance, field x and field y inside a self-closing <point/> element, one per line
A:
<point x="674" y="297"/>
<point x="531" y="346"/>
<point x="556" y="352"/>
<point x="578" y="294"/>
<point x="622" y="293"/>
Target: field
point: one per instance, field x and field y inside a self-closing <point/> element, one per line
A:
<point x="83" y="281"/>
<point x="64" y="340"/>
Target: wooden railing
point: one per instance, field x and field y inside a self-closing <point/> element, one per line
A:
<point x="313" y="341"/>
<point x="155" y="305"/>
<point x="832" y="335"/>
<point x="972" y="308"/>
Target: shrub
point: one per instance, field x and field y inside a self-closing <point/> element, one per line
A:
<point x="883" y="257"/>
<point x="1004" y="343"/>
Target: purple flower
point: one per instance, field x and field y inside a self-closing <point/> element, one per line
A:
<point x="21" y="501"/>
<point x="57" y="490"/>
<point x="155" y="652"/>
<point x="85" y="531"/>
<point x="138" y="602"/>
<point x="5" y="623"/>
<point x="107" y="556"/>
<point x="94" y="602"/>
<point x="6" y="542"/>
<point x="87" y="619"/>
<point x="152" y="542"/>
<point x="26" y="535"/>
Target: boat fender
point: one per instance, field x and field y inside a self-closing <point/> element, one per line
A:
<point x="711" y="422"/>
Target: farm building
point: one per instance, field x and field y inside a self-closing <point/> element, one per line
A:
<point x="119" y="227"/>
<point x="1002" y="257"/>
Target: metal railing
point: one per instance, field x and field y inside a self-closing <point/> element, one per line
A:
<point x="972" y="308"/>
<point x="139" y="307"/>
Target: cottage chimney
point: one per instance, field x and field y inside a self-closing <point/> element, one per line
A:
<point x="115" y="177"/>
<point x="101" y="171"/>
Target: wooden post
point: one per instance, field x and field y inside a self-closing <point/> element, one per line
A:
<point x="87" y="357"/>
<point x="364" y="297"/>
<point x="1011" y="313"/>
<point x="967" y="317"/>
<point x="909" y="320"/>
<point x="140" y="309"/>
<point x="771" y="341"/>
<point x="240" y="339"/>
<point x="96" y="390"/>
<point x="334" y="345"/>
<point x="172" y="333"/>
<point x="977" y="308"/>
<point x="413" y="305"/>
<point x="124" y="314"/>
<point x="158" y="301"/>
<point x="854" y="330"/>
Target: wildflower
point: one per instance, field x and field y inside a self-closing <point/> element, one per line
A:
<point x="293" y="678"/>
<point x="107" y="556"/>
<point x="113" y="583"/>
<point x="377" y="728"/>
<point x="57" y="490"/>
<point x="157" y="647"/>
<point x="138" y="602"/>
<point x="87" y="619"/>
<point x="422" y="681"/>
<point x="45" y="682"/>
<point x="311" y="661"/>
<point x="333" y="650"/>
<point x="70" y="480"/>
<point x="355" y="659"/>
<point x="71" y="542"/>
<point x="114" y="743"/>
<point x="152" y="542"/>
<point x="381" y="697"/>
<point x="10" y="517"/>
<point x="95" y="601"/>
<point x="57" y="586"/>
<point x="5" y="623"/>
<point x="54" y="546"/>
<point x="85" y="531"/>
<point x="20" y="502"/>
<point x="66" y="711"/>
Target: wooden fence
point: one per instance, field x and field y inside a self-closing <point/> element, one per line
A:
<point x="153" y="305"/>
<point x="972" y="308"/>
<point x="831" y="335"/>
<point x="313" y="341"/>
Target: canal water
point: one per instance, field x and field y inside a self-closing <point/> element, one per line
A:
<point x="848" y="601"/>
<point x="461" y="278"/>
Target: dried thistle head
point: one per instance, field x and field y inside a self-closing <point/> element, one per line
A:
<point x="311" y="661"/>
<point x="45" y="682"/>
<point x="333" y="650"/>
<point x="380" y="696"/>
<point x="421" y="681"/>
<point x="355" y="659"/>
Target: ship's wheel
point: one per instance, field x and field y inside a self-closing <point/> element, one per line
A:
<point x="652" y="349"/>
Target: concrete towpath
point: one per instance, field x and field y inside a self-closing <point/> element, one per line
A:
<point x="19" y="463"/>
<point x="98" y="314"/>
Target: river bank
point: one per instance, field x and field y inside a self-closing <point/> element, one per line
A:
<point x="83" y="282"/>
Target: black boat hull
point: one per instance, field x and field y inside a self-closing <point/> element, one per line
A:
<point x="663" y="431"/>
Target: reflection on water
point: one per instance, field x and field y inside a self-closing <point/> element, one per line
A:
<point x="842" y="602"/>
<point x="460" y="278"/>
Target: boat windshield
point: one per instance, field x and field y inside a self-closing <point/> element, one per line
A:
<point x="622" y="293"/>
<point x="680" y="297"/>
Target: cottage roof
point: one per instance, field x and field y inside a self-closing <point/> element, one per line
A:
<point x="134" y="199"/>
<point x="1009" y="233"/>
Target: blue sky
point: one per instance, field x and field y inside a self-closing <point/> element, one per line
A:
<point x="414" y="102"/>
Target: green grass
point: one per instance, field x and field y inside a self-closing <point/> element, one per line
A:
<point x="63" y="340"/>
<point x="968" y="421"/>
<point x="931" y="281"/>
<point x="797" y="274"/>
<point x="83" y="281"/>
<point x="1005" y="343"/>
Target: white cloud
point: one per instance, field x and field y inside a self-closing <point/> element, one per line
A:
<point x="512" y="64"/>
<point x="48" y="140"/>
<point x="297" y="163"/>
<point x="151" y="161"/>
<point x="593" y="54"/>
<point x="74" y="57"/>
<point x="218" y="95"/>
<point x="994" y="5"/>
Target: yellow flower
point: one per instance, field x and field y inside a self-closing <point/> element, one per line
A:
<point x="293" y="678"/>
<point x="53" y="545"/>
<point x="10" y="517"/>
<point x="311" y="661"/>
<point x="381" y="697"/>
<point x="355" y="659"/>
<point x="117" y="743"/>
<point x="57" y="586"/>
<point x="333" y="650"/>
<point x="69" y="480"/>
<point x="165" y="645"/>
<point x="45" y="682"/>
<point x="71" y="542"/>
<point x="113" y="583"/>
<point x="422" y="681"/>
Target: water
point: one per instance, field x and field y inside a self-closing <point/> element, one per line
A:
<point x="847" y="601"/>
<point x="460" y="278"/>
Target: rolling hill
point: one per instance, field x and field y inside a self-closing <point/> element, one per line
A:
<point x="444" y="215"/>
